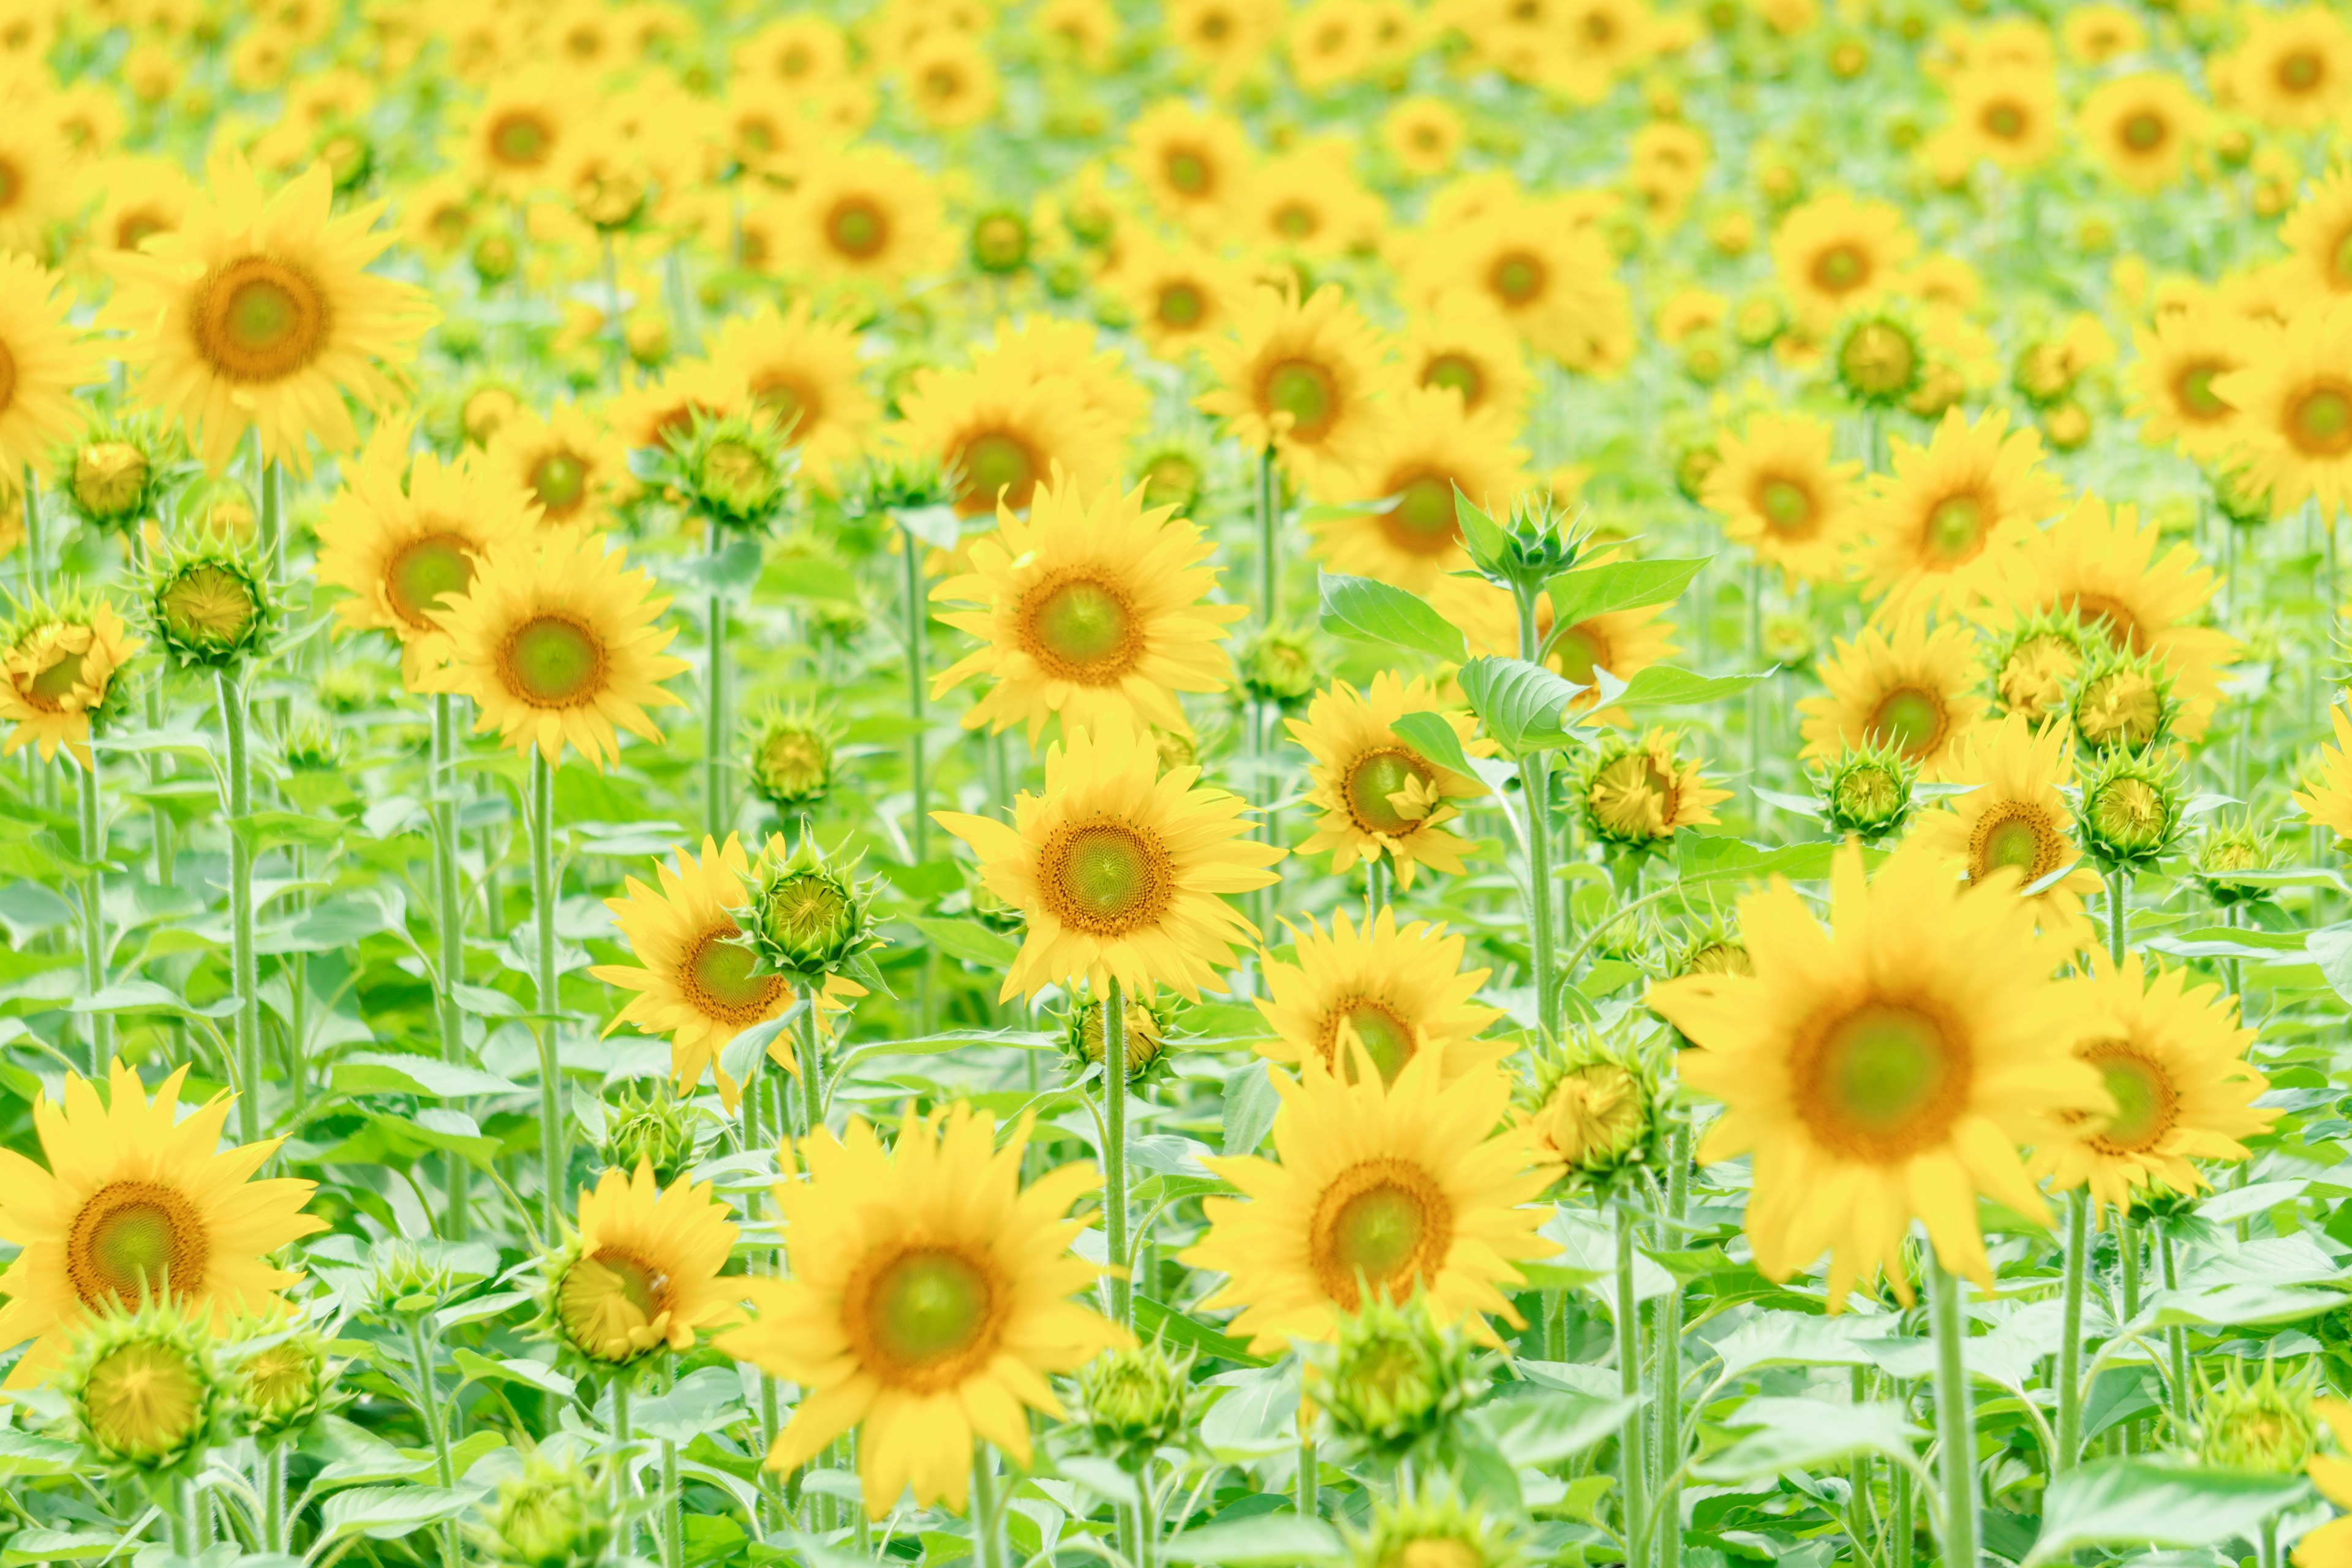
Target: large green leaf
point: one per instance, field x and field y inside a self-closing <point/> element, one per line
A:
<point x="1520" y="704"/>
<point x="1373" y="611"/>
<point x="1663" y="686"/>
<point x="1156" y="1320"/>
<point x="1547" y="1426"/>
<point x="386" y="1072"/>
<point x="386" y="1513"/>
<point x="1279" y="1540"/>
<point x="1619" y="586"/>
<point x="969" y="940"/>
<point x="1777" y="1435"/>
<point x="2145" y="1502"/>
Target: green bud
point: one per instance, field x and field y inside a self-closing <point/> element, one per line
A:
<point x="211" y="606"/>
<point x="807" y="917"/>
<point x="408" y="1283"/>
<point x="1868" y="793"/>
<point x="1133" y="1401"/>
<point x="2265" y="1425"/>
<point x="1145" y="1044"/>
<point x="284" y="1381"/>
<point x="553" y="1515"/>
<point x="1000" y="242"/>
<point x="143" y="1394"/>
<point x="790" y="765"/>
<point x="2231" y="849"/>
<point x="1279" y="667"/>
<point x="1879" y="361"/>
<point x="1394" y="1379"/>
<point x="652" y="1127"/>
<point x="2123" y="702"/>
<point x="1593" y="1110"/>
<point x="1434" y="1527"/>
<point x="734" y="472"/>
<point x="1173" y="476"/>
<point x="2130" y="811"/>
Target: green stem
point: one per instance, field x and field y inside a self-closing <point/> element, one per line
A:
<point x="673" y="1510"/>
<point x="1377" y="888"/>
<point x="985" y="1523"/>
<point x="1905" y="1527"/>
<point x="448" y="892"/>
<point x="772" y="1490"/>
<point x="2070" y="1331"/>
<point x="2127" y="1253"/>
<point x="187" y="1531"/>
<point x="1535" y="783"/>
<point x="429" y="1410"/>
<point x="93" y="913"/>
<point x="1755" y="661"/>
<point x="718" y="812"/>
<point x="1310" y="1469"/>
<point x="33" y="531"/>
<point x="812" y="1064"/>
<point x="273" y="530"/>
<point x="1269" y="544"/>
<point x="919" y="831"/>
<point x="2266" y="1555"/>
<point x="1955" y="1417"/>
<point x="2118" y="915"/>
<point x="1633" y="1445"/>
<point x="245" y="982"/>
<point x="273" y="1498"/>
<point x="1668" y="1355"/>
<point x="1115" y="1216"/>
<point x="553" y="1152"/>
<point x="2176" y="1337"/>
<point x="625" y="1472"/>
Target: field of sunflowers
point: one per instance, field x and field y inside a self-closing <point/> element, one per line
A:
<point x="1175" y="783"/>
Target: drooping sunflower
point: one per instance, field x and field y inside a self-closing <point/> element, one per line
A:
<point x="2172" y="376"/>
<point x="2142" y="127"/>
<point x="1541" y="265"/>
<point x="1006" y="435"/>
<point x="1934" y="533"/>
<point x="1917" y="688"/>
<point x="1306" y="379"/>
<point x="862" y="214"/>
<point x="1394" y="992"/>
<point x="1779" y="493"/>
<point x="1468" y="350"/>
<point x="57" y="676"/>
<point x="2293" y="71"/>
<point x="1377" y="793"/>
<point x="42" y="361"/>
<point x="2015" y="818"/>
<point x="2174" y="1061"/>
<point x="1180" y="295"/>
<point x="1193" y="164"/>
<point x="806" y="369"/>
<point x="930" y="1299"/>
<point x="137" y="1200"/>
<point x="567" y="461"/>
<point x="1430" y="445"/>
<point x="2101" y="567"/>
<point x="2327" y="798"/>
<point x="1834" y="254"/>
<point x="556" y="641"/>
<point x="639" y="1272"/>
<point x="2318" y="237"/>
<point x="1087" y="607"/>
<point x="1120" y="872"/>
<point x="2297" y="393"/>
<point x="1384" y="1189"/>
<point x="1885" y="1066"/>
<point x="401" y="536"/>
<point x="258" y="313"/>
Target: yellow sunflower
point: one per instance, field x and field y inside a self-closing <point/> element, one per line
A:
<point x="1306" y="379"/>
<point x="2172" y="376"/>
<point x="930" y="1299"/>
<point x="1226" y="40"/>
<point x="1418" y="1185"/>
<point x="1195" y="164"/>
<point x="567" y="461"/>
<point x="42" y="361"/>
<point x="1834" y="254"/>
<point x="1541" y="265"/>
<point x="2174" y="1061"/>
<point x="795" y="53"/>
<point x="1375" y="793"/>
<point x="1885" y="1066"/>
<point x="1086" y="608"/>
<point x="2327" y="798"/>
<point x="1778" y="493"/>
<point x="952" y="85"/>
<point x="1048" y="347"/>
<point x="401" y="536"/>
<point x="1179" y="296"/>
<point x="2318" y="237"/>
<point x="138" y="1201"/>
<point x="1120" y="872"/>
<point x="2142" y="127"/>
<point x="1424" y="134"/>
<point x="1430" y="445"/>
<point x="804" y="369"/>
<point x="640" y="1270"/>
<point x="258" y="313"/>
<point x="1935" y="533"/>
<point x="2009" y="114"/>
<point x="2015" y="818"/>
<point x="1637" y="795"/>
<point x="1007" y="436"/>
<point x="143" y="196"/>
<point x="2101" y="567"/>
<point x="2293" y="71"/>
<point x="2296" y="395"/>
<point x="1309" y="204"/>
<point x="555" y="641"/>
<point x="1469" y="349"/>
<point x="653" y="414"/>
<point x="37" y="182"/>
<point x="1394" y="992"/>
<point x="509" y="147"/>
<point x="58" y="676"/>
<point x="1917" y="689"/>
<point x="863" y="215"/>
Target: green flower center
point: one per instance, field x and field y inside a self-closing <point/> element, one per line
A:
<point x="1188" y="172"/>
<point x="56" y="681"/>
<point x="560" y="481"/>
<point x="1306" y="392"/>
<point x="554" y="661"/>
<point x="134" y="1238"/>
<point x="1787" y="505"/>
<point x="2194" y="390"/>
<point x="1840" y="269"/>
<point x="1082" y="629"/>
<point x="998" y="466"/>
<point x="2013" y="838"/>
<point x="1377" y="776"/>
<point x="1382" y="1222"/>
<point x="1422" y="522"/>
<point x="521" y="138"/>
<point x="1458" y="373"/>
<point x="1882" y="1083"/>
<point x="1182" y="305"/>
<point x="1386" y="1037"/>
<point x="2319" y="420"/>
<point x="1517" y="279"/>
<point x="1106" y="879"/>
<point x="2143" y="132"/>
<point x="2339" y="260"/>
<point x="1909" y="718"/>
<point x="2147" y="1105"/>
<point x="1955" y="527"/>
<point x="857" y="228"/>
<point x="717" y="982"/>
<point x="2301" y="71"/>
<point x="257" y="319"/>
<point x="925" y="1307"/>
<point x="423" y="573"/>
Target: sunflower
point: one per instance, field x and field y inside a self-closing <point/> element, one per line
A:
<point x="1917" y="689"/>
<point x="1394" y="992"/>
<point x="1778" y="493"/>
<point x="952" y="86"/>
<point x="1637" y="795"/>
<point x="2293" y="70"/>
<point x="1226" y="40"/>
<point x="640" y="1270"/>
<point x="653" y="414"/>
<point x="1119" y="871"/>
<point x="143" y="196"/>
<point x="1006" y="435"/>
<point x="2008" y="114"/>
<point x="57" y="675"/>
<point x="1385" y="1189"/>
<point x="2101" y="567"/>
<point x="42" y="361"/>
<point x="2172" y="378"/>
<point x="1541" y="265"/>
<point x="2318" y="237"/>
<point x="568" y="462"/>
<point x="1469" y="349"/>
<point x="509" y="147"/>
<point x="1424" y="134"/>
<point x="1834" y="254"/>
<point x="1089" y="608"/>
<point x="401" y="537"/>
<point x="37" y="183"/>
<point x="2015" y="818"/>
<point x="1935" y="533"/>
<point x="795" y="54"/>
<point x="1195" y="164"/>
<point x="2297" y="393"/>
<point x="1309" y="204"/>
<point x="1304" y="379"/>
<point x="258" y="313"/>
<point x="2326" y="797"/>
<point x="804" y="369"/>
<point x="137" y="1201"/>
<point x="1330" y="42"/>
<point x="1886" y="1066"/>
<point x="1046" y="348"/>
<point x="1376" y="794"/>
<point x="929" y="1299"/>
<point x="556" y="642"/>
<point x="2174" y="1061"/>
<point x="2142" y="127"/>
<point x="1429" y="446"/>
<point x="1179" y="296"/>
<point x="863" y="215"/>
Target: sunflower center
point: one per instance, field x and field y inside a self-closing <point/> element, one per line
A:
<point x="1188" y="172"/>
<point x="2005" y="121"/>
<point x="1081" y="629"/>
<point x="795" y="405"/>
<point x="2111" y="618"/>
<point x="1517" y="279"/>
<point x="208" y="604"/>
<point x="1385" y="1036"/>
<point x="924" y="1317"/>
<point x="857" y="228"/>
<point x="1882" y="1083"/>
<point x="1107" y="878"/>
<point x="2147" y="1104"/>
<point x="1306" y="391"/>
<point x="1579" y="652"/>
<point x="2301" y="71"/>
<point x="143" y="1399"/>
<point x="521" y="138"/>
<point x="1458" y="373"/>
<point x="717" y="979"/>
<point x="2014" y="833"/>
<point x="610" y="1303"/>
<point x="2339" y="260"/>
<point x="1422" y="522"/>
<point x="258" y="318"/>
<point x="1909" y="718"/>
<point x="553" y="660"/>
<point x="560" y="481"/>
<point x="996" y="466"/>
<point x="2143" y="132"/>
<point x="1956" y="528"/>
<point x="1180" y="305"/>
<point x="12" y="185"/>
<point x="7" y="378"/>
<point x="54" y="681"/>
<point x="1377" y="778"/>
<point x="134" y="1238"/>
<point x="1840" y="269"/>
<point x="2193" y="391"/>
<point x="2319" y="419"/>
<point x="1788" y="508"/>
<point x="1297" y="220"/>
<point x="424" y="572"/>
<point x="1382" y="1224"/>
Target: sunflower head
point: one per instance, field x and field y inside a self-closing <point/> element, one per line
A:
<point x="1174" y="474"/>
<point x="59" y="658"/>
<point x="119" y="472"/>
<point x="550" y="1515"/>
<point x="142" y="1392"/>
<point x="1790" y="641"/>
<point x="1000" y="242"/>
<point x="1694" y="464"/>
<point x="1712" y="947"/>
<point x="2265" y="1425"/>
<point x="2123" y="702"/>
<point x="1134" y="1400"/>
<point x="211" y="605"/>
<point x="2131" y="811"/>
<point x="604" y="1307"/>
<point x="1868" y="792"/>
<point x="1280" y="668"/>
<point x="2238" y="499"/>
<point x="1144" y="1041"/>
<point x="283" y="1380"/>
<point x="2035" y="664"/>
<point x="2228" y="851"/>
<point x="408" y="1282"/>
<point x="1593" y="1109"/>
<point x="809" y="915"/>
<point x="735" y="470"/>
<point x="899" y="482"/>
<point x="790" y="761"/>
<point x="1434" y="1527"/>
<point x="653" y="1128"/>
<point x="1636" y="793"/>
<point x="1880" y="361"/>
<point x="1393" y="1380"/>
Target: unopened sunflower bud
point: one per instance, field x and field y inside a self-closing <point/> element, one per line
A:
<point x="1133" y="1401"/>
<point x="1395" y="1379"/>
<point x="2265" y="1425"/>
<point x="2226" y="852"/>
<point x="791" y="761"/>
<point x="1000" y="242"/>
<point x="652" y="1128"/>
<point x="142" y="1392"/>
<point x="1790" y="641"/>
<point x="210" y="606"/>
<point x="408" y="1283"/>
<point x="1879" y="361"/>
<point x="550" y="1515"/>
<point x="2124" y="702"/>
<point x="733" y="471"/>
<point x="1172" y="476"/>
<point x="1868" y="793"/>
<point x="1636" y="794"/>
<point x="807" y="917"/>
<point x="1279" y="668"/>
<point x="1145" y="1043"/>
<point x="283" y="1380"/>
<point x="2034" y="665"/>
<point x="1593" y="1111"/>
<point x="2067" y="427"/>
<point x="2130" y="813"/>
<point x="1435" y="1527"/>
<point x="110" y="479"/>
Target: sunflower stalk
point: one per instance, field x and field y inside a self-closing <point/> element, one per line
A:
<point x="812" y="1066"/>
<point x="1119" y="1266"/>
<point x="2070" y="1341"/>
<point x="1535" y="785"/>
<point x="717" y="722"/>
<point x="32" y="485"/>
<point x="1955" y="1416"/>
<point x="423" y="1359"/>
<point x="1633" y="1442"/>
<point x="1666" y="1357"/>
<point x="273" y="530"/>
<point x="2127" y="1256"/>
<point x="553" y="1150"/>
<point x="94" y="912"/>
<point x="919" y="829"/>
<point x="273" y="1498"/>
<point x="624" y="1473"/>
<point x="245" y="982"/>
<point x="2176" y="1335"/>
<point x="450" y="931"/>
<point x="987" y="1520"/>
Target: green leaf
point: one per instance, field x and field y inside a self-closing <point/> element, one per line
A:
<point x="36" y="1545"/>
<point x="1433" y="737"/>
<point x="1371" y="611"/>
<point x="969" y="940"/>
<point x="2145" y="1502"/>
<point x="1619" y="586"/>
<point x="1795" y="1339"/>
<point x="264" y="828"/>
<point x="704" y="1400"/>
<point x="1663" y="686"/>
<point x="1481" y="535"/>
<point x="1547" y="1426"/>
<point x="2331" y="948"/>
<point x="1521" y="704"/>
<point x="2231" y="941"/>
<point x="1278" y="1539"/>
<point x="391" y="1072"/>
<point x="146" y="997"/>
<point x="387" y="1513"/>
<point x="1157" y="1319"/>
<point x="1250" y="1105"/>
<point x="1779" y="1435"/>
<point x="2237" y="1306"/>
<point x="480" y="1368"/>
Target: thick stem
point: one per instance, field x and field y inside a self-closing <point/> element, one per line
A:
<point x="1669" y="1356"/>
<point x="245" y="982"/>
<point x="2118" y="914"/>
<point x="1311" y="1468"/>
<point x="2070" y="1331"/>
<point x="813" y="1065"/>
<point x="1377" y="887"/>
<point x="449" y="934"/>
<point x="919" y="830"/>
<point x="429" y="1410"/>
<point x="1269" y="544"/>
<point x="32" y="485"/>
<point x="1120" y="1267"/>
<point x="2176" y="1336"/>
<point x="673" y="1510"/>
<point x="1535" y="785"/>
<point x="553" y="1151"/>
<point x="273" y="1498"/>
<point x="625" y="1472"/>
<point x="187" y="1531"/>
<point x="93" y="914"/>
<point x="273" y="527"/>
<point x="1955" y="1417"/>
<point x="2127" y="1253"/>
<point x="1632" y="1444"/>
<point x="718" y="721"/>
<point x="1905" y="1529"/>
<point x="986" y="1526"/>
